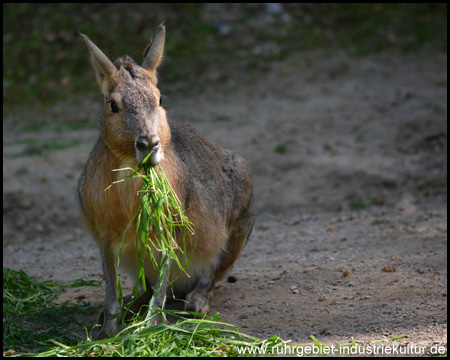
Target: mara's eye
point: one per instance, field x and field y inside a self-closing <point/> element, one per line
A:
<point x="114" y="107"/>
<point x="161" y="98"/>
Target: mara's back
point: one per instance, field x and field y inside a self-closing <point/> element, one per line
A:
<point x="222" y="181"/>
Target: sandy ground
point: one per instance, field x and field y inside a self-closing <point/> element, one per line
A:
<point x="349" y="162"/>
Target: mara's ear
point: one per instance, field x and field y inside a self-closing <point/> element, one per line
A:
<point x="104" y="68"/>
<point x="153" y="53"/>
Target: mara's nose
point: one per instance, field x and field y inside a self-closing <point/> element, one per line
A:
<point x="147" y="144"/>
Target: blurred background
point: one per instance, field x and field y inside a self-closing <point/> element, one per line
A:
<point x="44" y="59"/>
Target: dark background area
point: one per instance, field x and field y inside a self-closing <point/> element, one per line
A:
<point x="44" y="59"/>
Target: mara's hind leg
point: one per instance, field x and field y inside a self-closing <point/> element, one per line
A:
<point x="236" y="242"/>
<point x="198" y="299"/>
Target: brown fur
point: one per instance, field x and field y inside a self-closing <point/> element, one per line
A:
<point x="213" y="184"/>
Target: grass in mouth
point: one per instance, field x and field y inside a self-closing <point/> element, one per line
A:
<point x="160" y="218"/>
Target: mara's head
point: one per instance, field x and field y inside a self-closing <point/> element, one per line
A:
<point x="133" y="122"/>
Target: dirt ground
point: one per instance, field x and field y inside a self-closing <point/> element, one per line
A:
<point x="349" y="162"/>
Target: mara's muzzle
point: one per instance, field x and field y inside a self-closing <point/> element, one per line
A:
<point x="148" y="144"/>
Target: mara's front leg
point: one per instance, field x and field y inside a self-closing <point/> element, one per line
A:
<point x="109" y="316"/>
<point x="112" y="314"/>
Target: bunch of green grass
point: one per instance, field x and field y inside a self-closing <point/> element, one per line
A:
<point x="24" y="297"/>
<point x="31" y="318"/>
<point x="195" y="337"/>
<point x="160" y="218"/>
<point x="189" y="337"/>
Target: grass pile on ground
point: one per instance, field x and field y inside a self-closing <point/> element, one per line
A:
<point x="32" y="319"/>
